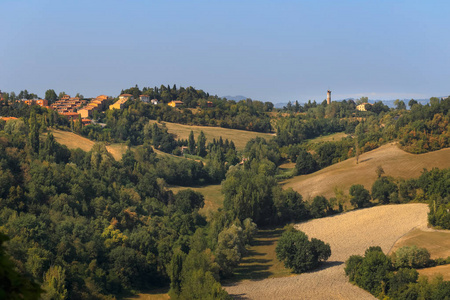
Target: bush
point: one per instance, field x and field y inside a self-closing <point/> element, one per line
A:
<point x="411" y="257"/>
<point x="300" y="254"/>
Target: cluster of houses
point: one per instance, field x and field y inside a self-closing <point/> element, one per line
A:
<point x="67" y="104"/>
<point x="75" y="107"/>
<point x="96" y="104"/>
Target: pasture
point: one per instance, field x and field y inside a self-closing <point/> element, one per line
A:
<point x="213" y="196"/>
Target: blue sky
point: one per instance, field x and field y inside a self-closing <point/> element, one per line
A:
<point x="267" y="50"/>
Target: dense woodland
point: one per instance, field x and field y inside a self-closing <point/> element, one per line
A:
<point x="82" y="225"/>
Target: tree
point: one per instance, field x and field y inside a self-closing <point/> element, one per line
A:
<point x="411" y="257"/>
<point x="411" y="103"/>
<point x="320" y="207"/>
<point x="54" y="284"/>
<point x="201" y="145"/>
<point x="305" y="163"/>
<point x="78" y="125"/>
<point x="373" y="271"/>
<point x="300" y="254"/>
<point x="384" y="189"/>
<point x="175" y="268"/>
<point x="51" y="96"/>
<point x="360" y="196"/>
<point x="362" y="100"/>
<point x="61" y="94"/>
<point x="187" y="200"/>
<point x="191" y="143"/>
<point x="399" y="104"/>
<point x="34" y="133"/>
<point x="379" y="170"/>
<point x="14" y="285"/>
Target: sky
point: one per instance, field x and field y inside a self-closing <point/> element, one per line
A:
<point x="274" y="51"/>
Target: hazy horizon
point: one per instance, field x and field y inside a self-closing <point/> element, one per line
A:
<point x="278" y="52"/>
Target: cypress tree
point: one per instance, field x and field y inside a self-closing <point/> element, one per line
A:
<point x="34" y="133"/>
<point x="191" y="143"/>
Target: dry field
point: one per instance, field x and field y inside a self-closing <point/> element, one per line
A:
<point x="432" y="272"/>
<point x="348" y="233"/>
<point x="395" y="162"/>
<point x="73" y="141"/>
<point x="437" y="242"/>
<point x="239" y="137"/>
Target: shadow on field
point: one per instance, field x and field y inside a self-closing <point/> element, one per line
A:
<point x="326" y="265"/>
<point x="260" y="262"/>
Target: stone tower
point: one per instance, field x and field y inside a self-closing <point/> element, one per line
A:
<point x="328" y="97"/>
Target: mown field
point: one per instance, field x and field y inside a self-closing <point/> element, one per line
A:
<point x="394" y="161"/>
<point x="239" y="137"/>
<point x="347" y="233"/>
<point x="437" y="242"/>
<point x="73" y="141"/>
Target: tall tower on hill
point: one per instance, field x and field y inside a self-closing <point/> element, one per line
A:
<point x="328" y="97"/>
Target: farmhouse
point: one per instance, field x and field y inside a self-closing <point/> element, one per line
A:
<point x="126" y="96"/>
<point x="154" y="101"/>
<point x="362" y="107"/>
<point x="144" y="98"/>
<point x="175" y="103"/>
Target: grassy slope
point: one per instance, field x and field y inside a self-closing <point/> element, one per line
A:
<point x="436" y="242"/>
<point x="329" y="138"/>
<point x="239" y="137"/>
<point x="395" y="162"/>
<point x="213" y="196"/>
<point x="261" y="261"/>
<point x="73" y="141"/>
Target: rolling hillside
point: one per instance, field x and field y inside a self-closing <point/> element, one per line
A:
<point x="239" y="137"/>
<point x="73" y="141"/>
<point x="347" y="233"/>
<point x="395" y="162"/>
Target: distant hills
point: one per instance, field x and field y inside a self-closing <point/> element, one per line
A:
<point x="389" y="103"/>
<point x="235" y="98"/>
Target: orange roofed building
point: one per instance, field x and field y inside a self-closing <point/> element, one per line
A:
<point x="175" y="103"/>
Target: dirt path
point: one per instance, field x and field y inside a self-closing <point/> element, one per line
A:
<point x="348" y="233"/>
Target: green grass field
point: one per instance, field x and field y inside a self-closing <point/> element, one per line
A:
<point x="335" y="137"/>
<point x="239" y="137"/>
<point x="213" y="196"/>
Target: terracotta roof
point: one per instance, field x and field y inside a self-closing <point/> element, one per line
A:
<point x="8" y="118"/>
<point x="126" y="95"/>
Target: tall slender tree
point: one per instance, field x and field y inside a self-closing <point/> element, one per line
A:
<point x="191" y="143"/>
<point x="201" y="145"/>
<point x="34" y="133"/>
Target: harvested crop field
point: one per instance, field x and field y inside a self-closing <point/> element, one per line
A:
<point x="348" y="233"/>
<point x="394" y="161"/>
